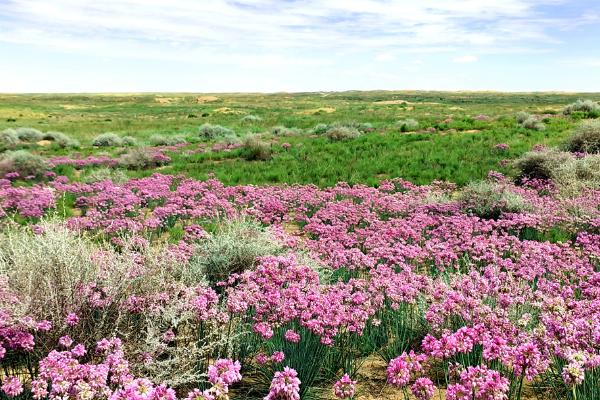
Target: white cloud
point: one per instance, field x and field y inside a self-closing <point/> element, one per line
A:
<point x="466" y="59"/>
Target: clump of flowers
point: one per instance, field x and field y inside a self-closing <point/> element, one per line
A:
<point x="345" y="387"/>
<point x="478" y="383"/>
<point x="423" y="388"/>
<point x="285" y="385"/>
<point x="403" y="369"/>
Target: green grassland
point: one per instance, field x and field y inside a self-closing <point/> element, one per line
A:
<point x="461" y="148"/>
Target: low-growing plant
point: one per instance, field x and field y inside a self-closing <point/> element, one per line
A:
<point x="285" y="131"/>
<point x="163" y="140"/>
<point x="489" y="200"/>
<point x="533" y="123"/>
<point x="130" y="141"/>
<point x="210" y="131"/>
<point x="8" y="139"/>
<point x="585" y="138"/>
<point x="23" y="162"/>
<point x="251" y="118"/>
<point x="407" y="125"/>
<point x="320" y="129"/>
<point x="522" y="116"/>
<point x="340" y="132"/>
<point x="143" y="159"/>
<point x="541" y="164"/>
<point x="105" y="173"/>
<point x="589" y="108"/>
<point x="257" y="150"/>
<point x="234" y="247"/>
<point x="29" y="134"/>
<point x="61" y="140"/>
<point x="107" y="139"/>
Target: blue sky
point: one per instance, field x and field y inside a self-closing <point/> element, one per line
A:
<point x="293" y="45"/>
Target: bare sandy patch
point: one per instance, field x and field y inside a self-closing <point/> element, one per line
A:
<point x="206" y="99"/>
<point x="227" y="110"/>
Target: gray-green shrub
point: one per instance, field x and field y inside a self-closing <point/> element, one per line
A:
<point x="210" y="131"/>
<point x="541" y="164"/>
<point x="589" y="108"/>
<point x="23" y="162"/>
<point x="340" y="132"/>
<point x="585" y="138"/>
<point x="489" y="200"/>
<point x="29" y="134"/>
<point x="407" y="125"/>
<point x="257" y="150"/>
<point x="233" y="248"/>
<point x="61" y="140"/>
<point x="163" y="140"/>
<point x="533" y="123"/>
<point x="129" y="141"/>
<point x="522" y="116"/>
<point x="251" y="118"/>
<point x="8" y="139"/>
<point x="320" y="129"/>
<point x="107" y="139"/>
<point x="285" y="131"/>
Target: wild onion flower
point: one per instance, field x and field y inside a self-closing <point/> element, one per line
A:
<point x="285" y="385"/>
<point x="345" y="387"/>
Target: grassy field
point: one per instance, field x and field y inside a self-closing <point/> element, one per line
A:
<point x="460" y="149"/>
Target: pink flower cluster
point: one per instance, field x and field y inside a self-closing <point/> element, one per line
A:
<point x="285" y="385"/>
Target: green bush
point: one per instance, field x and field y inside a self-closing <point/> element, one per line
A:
<point x="233" y="248"/>
<point x="340" y="132"/>
<point x="320" y="129"/>
<point x="61" y="140"/>
<point x="407" y="125"/>
<point x="251" y="118"/>
<point x="162" y="140"/>
<point x="257" y="150"/>
<point x="8" y="139"/>
<point x="23" y="162"/>
<point x="489" y="200"/>
<point x="541" y="164"/>
<point x="284" y="131"/>
<point x="107" y="139"/>
<point x="29" y="134"/>
<point x="585" y="138"/>
<point x="589" y="108"/>
<point x="533" y="123"/>
<point x="105" y="173"/>
<point x="142" y="159"/>
<point x="130" y="141"/>
<point x="209" y="131"/>
<point x="522" y="116"/>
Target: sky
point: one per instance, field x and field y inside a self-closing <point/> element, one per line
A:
<point x="293" y="45"/>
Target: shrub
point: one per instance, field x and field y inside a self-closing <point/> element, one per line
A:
<point x="29" y="134"/>
<point x="209" y="131"/>
<point x="234" y="247"/>
<point x="533" y="123"/>
<point x="522" y="116"/>
<point x="541" y="164"/>
<point x="340" y="132"/>
<point x="407" y="125"/>
<point x="161" y="140"/>
<point x="58" y="272"/>
<point x="8" y="139"/>
<point x="320" y="129"/>
<point x="255" y="149"/>
<point x="143" y="159"/>
<point x="104" y="173"/>
<point x="359" y="126"/>
<point x="251" y="118"/>
<point x="489" y="200"/>
<point x="284" y="131"/>
<point x="23" y="162"/>
<point x="107" y="139"/>
<point x="585" y="138"/>
<point x="589" y="108"/>
<point x="61" y="140"/>
<point x="577" y="174"/>
<point x="130" y="141"/>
